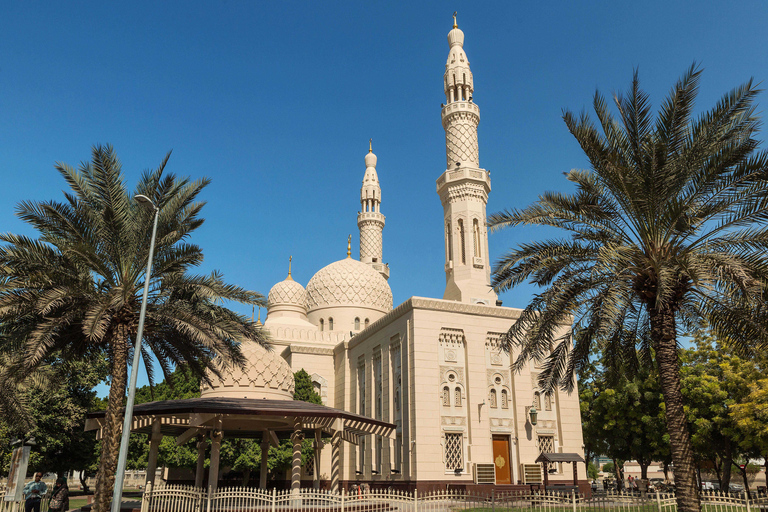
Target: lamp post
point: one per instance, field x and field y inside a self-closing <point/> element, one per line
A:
<point x="117" y="494"/>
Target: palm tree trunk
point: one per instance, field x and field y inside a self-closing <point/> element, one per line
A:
<point x="664" y="337"/>
<point x="110" y="441"/>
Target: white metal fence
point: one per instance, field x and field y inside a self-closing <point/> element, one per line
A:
<point x="177" y="498"/>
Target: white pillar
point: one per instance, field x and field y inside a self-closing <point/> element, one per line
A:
<point x="202" y="444"/>
<point x="213" y="475"/>
<point x="154" y="447"/>
<point x="264" y="459"/>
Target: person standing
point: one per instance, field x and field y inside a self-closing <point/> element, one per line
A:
<point x="59" y="496"/>
<point x="33" y="493"/>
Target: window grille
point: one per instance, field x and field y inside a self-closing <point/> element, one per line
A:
<point x="446" y="396"/>
<point x="547" y="445"/>
<point x="537" y="400"/>
<point x="457" y="399"/>
<point x="547" y="402"/>
<point x="493" y="398"/>
<point x="454" y="451"/>
<point x="504" y="399"/>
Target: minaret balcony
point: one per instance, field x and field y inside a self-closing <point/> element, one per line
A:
<point x="460" y="106"/>
<point x="460" y="174"/>
<point x="376" y="216"/>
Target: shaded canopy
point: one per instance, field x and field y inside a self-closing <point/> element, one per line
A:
<point x="559" y="457"/>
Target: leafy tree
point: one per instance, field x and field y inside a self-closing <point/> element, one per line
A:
<point x="665" y="230"/>
<point x="76" y="290"/>
<point x="751" y="416"/>
<point x="715" y="381"/>
<point x="57" y="418"/>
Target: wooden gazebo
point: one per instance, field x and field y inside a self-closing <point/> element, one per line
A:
<point x="551" y="458"/>
<point x="217" y="417"/>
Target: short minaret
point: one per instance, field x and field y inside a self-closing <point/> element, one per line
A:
<point x="370" y="221"/>
<point x="463" y="188"/>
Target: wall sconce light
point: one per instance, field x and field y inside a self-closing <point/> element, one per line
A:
<point x="533" y="415"/>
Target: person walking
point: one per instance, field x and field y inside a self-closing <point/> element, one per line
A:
<point x="33" y="493"/>
<point x="59" y="496"/>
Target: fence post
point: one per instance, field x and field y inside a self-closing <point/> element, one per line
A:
<point x="146" y="497"/>
<point x="573" y="499"/>
<point x="415" y="500"/>
<point x="493" y="499"/>
<point x="274" y="499"/>
<point x="208" y="498"/>
<point x="658" y="501"/>
<point x="342" y="500"/>
<point x="746" y="500"/>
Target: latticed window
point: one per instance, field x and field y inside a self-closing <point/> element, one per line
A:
<point x="504" y="399"/>
<point x="457" y="397"/>
<point x="547" y="445"/>
<point x="547" y="402"/>
<point x="454" y="451"/>
<point x="537" y="400"/>
<point x="492" y="398"/>
<point x="446" y="396"/>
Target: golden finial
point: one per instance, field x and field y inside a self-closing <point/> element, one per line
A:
<point x="454" y="19"/>
<point x="258" y="322"/>
<point x="349" y="246"/>
<point x="370" y="145"/>
<point x="289" y="278"/>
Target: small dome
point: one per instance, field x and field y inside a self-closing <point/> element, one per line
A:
<point x="266" y="375"/>
<point x="370" y="159"/>
<point x="287" y="292"/>
<point x="456" y="37"/>
<point x="349" y="282"/>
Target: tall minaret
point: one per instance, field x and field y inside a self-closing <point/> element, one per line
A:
<point x="463" y="188"/>
<point x="369" y="218"/>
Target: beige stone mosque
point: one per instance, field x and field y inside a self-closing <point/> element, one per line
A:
<point x="431" y="366"/>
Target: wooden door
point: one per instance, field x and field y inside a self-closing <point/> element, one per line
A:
<point x="501" y="460"/>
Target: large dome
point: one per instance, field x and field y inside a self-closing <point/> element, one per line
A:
<point x="349" y="282"/>
<point x="266" y="375"/>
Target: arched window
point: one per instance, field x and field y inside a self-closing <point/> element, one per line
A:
<point x="493" y="398"/>
<point x="476" y="230"/>
<point x="330" y="324"/>
<point x="448" y="241"/>
<point x="322" y="325"/>
<point x="504" y="399"/>
<point x="457" y="398"/>
<point x="446" y="396"/>
<point x="367" y="322"/>
<point x="537" y="400"/>
<point x="547" y="402"/>
<point x="461" y="240"/>
<point x="357" y="324"/>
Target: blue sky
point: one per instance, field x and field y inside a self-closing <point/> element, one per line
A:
<point x="276" y="101"/>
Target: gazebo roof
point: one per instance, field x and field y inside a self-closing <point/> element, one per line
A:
<point x="244" y="417"/>
<point x="559" y="457"/>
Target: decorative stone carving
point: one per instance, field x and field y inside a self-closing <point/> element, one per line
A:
<point x="450" y="356"/>
<point x="287" y="292"/>
<point x="459" y="372"/>
<point x="453" y="420"/>
<point x="349" y="282"/>
<point x="266" y="375"/>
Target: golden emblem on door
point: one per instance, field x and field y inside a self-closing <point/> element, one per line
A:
<point x="500" y="462"/>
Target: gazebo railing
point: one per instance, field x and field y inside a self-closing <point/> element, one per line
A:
<point x="177" y="498"/>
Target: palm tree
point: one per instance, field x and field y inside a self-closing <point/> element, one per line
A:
<point x="76" y="290"/>
<point x="666" y="231"/>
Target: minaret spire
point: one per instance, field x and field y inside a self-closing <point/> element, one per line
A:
<point x="289" y="278"/>
<point x="370" y="221"/>
<point x="464" y="186"/>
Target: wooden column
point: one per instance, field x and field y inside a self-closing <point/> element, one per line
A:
<point x="336" y="460"/>
<point x="318" y="449"/>
<point x="213" y="475"/>
<point x="296" y="438"/>
<point x="264" y="459"/>
<point x="575" y="474"/>
<point x="202" y="444"/>
<point x="154" y="447"/>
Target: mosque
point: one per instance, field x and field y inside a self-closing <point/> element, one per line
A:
<point x="431" y="366"/>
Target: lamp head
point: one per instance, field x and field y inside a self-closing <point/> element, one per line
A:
<point x="534" y="414"/>
<point x="145" y="201"/>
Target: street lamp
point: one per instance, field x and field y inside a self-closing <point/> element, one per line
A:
<point x="117" y="494"/>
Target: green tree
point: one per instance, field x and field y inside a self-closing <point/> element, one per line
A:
<point x="76" y="290"/>
<point x="665" y="230"/>
<point x="714" y="382"/>
<point x="751" y="415"/>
